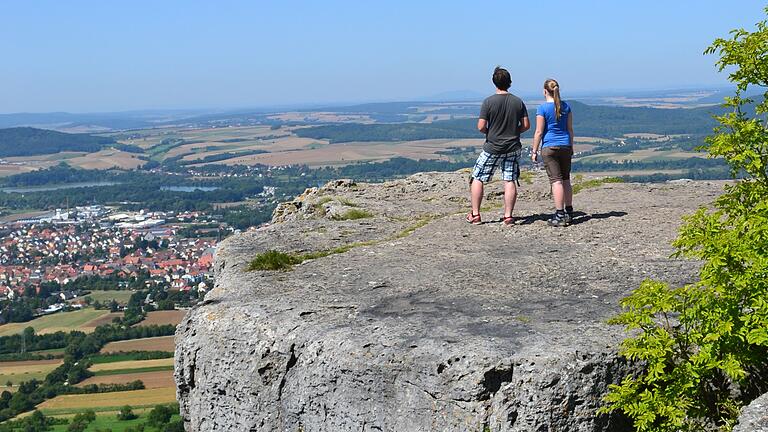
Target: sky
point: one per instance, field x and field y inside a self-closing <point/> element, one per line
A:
<point x="95" y="56"/>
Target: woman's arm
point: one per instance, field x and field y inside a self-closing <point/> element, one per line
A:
<point x="540" y="123"/>
<point x="570" y="126"/>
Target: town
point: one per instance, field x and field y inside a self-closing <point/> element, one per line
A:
<point x="45" y="257"/>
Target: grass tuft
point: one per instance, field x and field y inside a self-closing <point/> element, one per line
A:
<point x="353" y="214"/>
<point x="526" y="177"/>
<point x="347" y="202"/>
<point x="274" y="260"/>
<point x="589" y="184"/>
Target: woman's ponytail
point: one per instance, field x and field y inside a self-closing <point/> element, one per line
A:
<point x="553" y="88"/>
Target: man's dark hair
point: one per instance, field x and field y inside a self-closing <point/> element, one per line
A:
<point x="501" y="78"/>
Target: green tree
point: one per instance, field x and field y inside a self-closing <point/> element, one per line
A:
<point x="159" y="416"/>
<point x="174" y="426"/>
<point x="701" y="343"/>
<point x="81" y="421"/>
<point x="77" y="426"/>
<point x="126" y="413"/>
<point x="36" y="422"/>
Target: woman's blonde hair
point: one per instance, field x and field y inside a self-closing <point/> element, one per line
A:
<point x="553" y="89"/>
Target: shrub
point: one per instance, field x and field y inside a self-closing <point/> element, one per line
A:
<point x="700" y="342"/>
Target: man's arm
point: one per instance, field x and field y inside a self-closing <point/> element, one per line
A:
<point x="525" y="124"/>
<point x="482" y="125"/>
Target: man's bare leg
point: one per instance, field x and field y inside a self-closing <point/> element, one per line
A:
<point x="510" y="197"/>
<point x="476" y="196"/>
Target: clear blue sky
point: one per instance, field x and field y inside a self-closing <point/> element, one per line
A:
<point x="102" y="55"/>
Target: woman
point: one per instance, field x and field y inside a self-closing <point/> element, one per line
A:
<point x="554" y="134"/>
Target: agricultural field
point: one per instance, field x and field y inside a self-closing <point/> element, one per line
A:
<point x="281" y="147"/>
<point x="100" y="402"/>
<point x="61" y="321"/>
<point x="18" y="371"/>
<point x="132" y="366"/>
<point x="102" y="320"/>
<point x="106" y="159"/>
<point x="151" y="380"/>
<point x="316" y="153"/>
<point x="319" y="116"/>
<point x="13" y="216"/>
<point x="7" y="170"/>
<point x="596" y="174"/>
<point x="107" y="421"/>
<point x="151" y="140"/>
<point x="21" y="164"/>
<point x="120" y="296"/>
<point x="644" y="155"/>
<point x="162" y="343"/>
<point x="163" y="317"/>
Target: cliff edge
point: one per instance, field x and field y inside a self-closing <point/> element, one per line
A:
<point x="411" y="319"/>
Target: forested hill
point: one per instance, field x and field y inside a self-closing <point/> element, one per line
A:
<point x="27" y="141"/>
<point x="611" y="121"/>
<point x="589" y="120"/>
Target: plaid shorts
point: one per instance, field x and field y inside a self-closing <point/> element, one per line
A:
<point x="486" y="164"/>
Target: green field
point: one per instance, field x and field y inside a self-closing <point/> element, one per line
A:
<point x="62" y="321"/>
<point x="110" y="421"/>
<point x="101" y="402"/>
<point x="133" y="370"/>
<point x="53" y="351"/>
<point x="136" y="356"/>
<point x="121" y="296"/>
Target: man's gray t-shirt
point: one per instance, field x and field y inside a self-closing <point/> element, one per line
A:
<point x="504" y="112"/>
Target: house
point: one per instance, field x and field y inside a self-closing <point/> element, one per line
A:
<point x="179" y="285"/>
<point x="67" y="295"/>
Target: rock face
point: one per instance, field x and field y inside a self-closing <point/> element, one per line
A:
<point x="754" y="417"/>
<point x="418" y="321"/>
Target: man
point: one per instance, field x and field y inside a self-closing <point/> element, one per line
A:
<point x="503" y="118"/>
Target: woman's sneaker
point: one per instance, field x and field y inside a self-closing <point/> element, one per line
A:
<point x="568" y="214"/>
<point x="558" y="220"/>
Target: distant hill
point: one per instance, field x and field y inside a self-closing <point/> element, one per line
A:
<point x="589" y="120"/>
<point x="458" y="96"/>
<point x="27" y="141"/>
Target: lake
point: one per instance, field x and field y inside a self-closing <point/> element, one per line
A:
<point x="188" y="188"/>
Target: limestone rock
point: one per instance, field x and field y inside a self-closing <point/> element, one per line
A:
<point x="418" y="321"/>
<point x="754" y="417"/>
